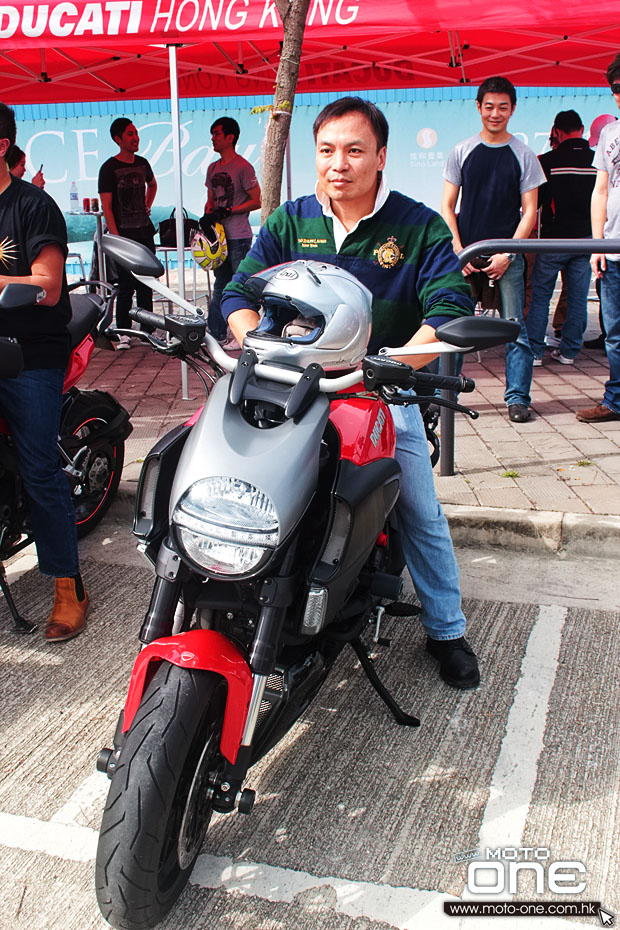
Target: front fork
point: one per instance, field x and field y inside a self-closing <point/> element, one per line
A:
<point x="276" y="595"/>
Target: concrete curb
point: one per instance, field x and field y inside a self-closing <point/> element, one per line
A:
<point x="537" y="530"/>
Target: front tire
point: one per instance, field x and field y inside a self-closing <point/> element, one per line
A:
<point x="102" y="467"/>
<point x="158" y="808"/>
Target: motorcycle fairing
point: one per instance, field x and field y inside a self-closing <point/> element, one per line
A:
<point x="150" y="522"/>
<point x="362" y="499"/>
<point x="283" y="462"/>
<point x="365" y="428"/>
<point x="78" y="362"/>
<point x="208" y="651"/>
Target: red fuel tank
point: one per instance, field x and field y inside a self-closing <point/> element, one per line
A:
<point x="365" y="427"/>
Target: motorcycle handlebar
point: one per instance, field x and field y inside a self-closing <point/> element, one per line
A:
<point x="147" y="318"/>
<point x="458" y="383"/>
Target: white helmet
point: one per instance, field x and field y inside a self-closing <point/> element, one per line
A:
<point x="312" y="313"/>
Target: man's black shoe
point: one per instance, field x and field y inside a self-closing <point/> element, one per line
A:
<point x="597" y="343"/>
<point x="458" y="665"/>
<point x="518" y="413"/>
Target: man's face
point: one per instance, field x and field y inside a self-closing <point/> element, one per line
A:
<point x="347" y="160"/>
<point x="129" y="141"/>
<point x="495" y="111"/>
<point x="615" y="89"/>
<point x="219" y="141"/>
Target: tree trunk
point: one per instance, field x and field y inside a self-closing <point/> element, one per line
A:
<point x="293" y="15"/>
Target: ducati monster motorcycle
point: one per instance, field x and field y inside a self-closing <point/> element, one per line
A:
<point x="91" y="440"/>
<point x="267" y="519"/>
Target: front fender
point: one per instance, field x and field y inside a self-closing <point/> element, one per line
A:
<point x="209" y="651"/>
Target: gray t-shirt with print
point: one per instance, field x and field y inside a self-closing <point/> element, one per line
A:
<point x="230" y="185"/>
<point x="607" y="158"/>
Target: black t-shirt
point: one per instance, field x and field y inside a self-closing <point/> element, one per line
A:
<point x="127" y="184"/>
<point x="567" y="195"/>
<point x="30" y="220"/>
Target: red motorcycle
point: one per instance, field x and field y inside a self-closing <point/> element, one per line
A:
<point x="267" y="519"/>
<point x="91" y="441"/>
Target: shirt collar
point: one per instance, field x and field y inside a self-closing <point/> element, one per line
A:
<point x="340" y="233"/>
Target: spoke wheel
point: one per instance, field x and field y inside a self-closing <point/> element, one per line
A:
<point x="102" y="466"/>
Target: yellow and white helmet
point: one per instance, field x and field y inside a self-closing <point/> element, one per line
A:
<point x="209" y="249"/>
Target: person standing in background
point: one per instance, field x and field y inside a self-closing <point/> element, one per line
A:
<point x="16" y="161"/>
<point x="497" y="177"/>
<point x="127" y="189"/>
<point x="565" y="200"/>
<point x="233" y="194"/>
<point x="606" y="267"/>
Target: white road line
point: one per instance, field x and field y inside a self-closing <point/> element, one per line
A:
<point x="65" y="841"/>
<point x="90" y="794"/>
<point x="514" y="775"/>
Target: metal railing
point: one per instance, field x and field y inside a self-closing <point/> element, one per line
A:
<point x="492" y="247"/>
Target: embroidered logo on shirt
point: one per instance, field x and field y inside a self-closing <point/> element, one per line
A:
<point x="389" y="254"/>
<point x="8" y="252"/>
<point x="311" y="243"/>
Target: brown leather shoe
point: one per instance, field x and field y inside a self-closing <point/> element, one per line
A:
<point x="68" y="615"/>
<point x="597" y="414"/>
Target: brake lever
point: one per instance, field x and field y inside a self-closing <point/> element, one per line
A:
<point x="407" y="400"/>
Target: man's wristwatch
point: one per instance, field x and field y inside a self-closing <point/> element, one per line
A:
<point x="511" y="256"/>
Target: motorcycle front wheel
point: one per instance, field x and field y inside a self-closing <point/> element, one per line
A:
<point x="159" y="807"/>
<point x="102" y="466"/>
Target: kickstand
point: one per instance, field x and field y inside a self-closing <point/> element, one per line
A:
<point x="21" y="625"/>
<point x="399" y="715"/>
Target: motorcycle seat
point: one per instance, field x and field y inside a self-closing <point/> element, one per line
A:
<point x="86" y="311"/>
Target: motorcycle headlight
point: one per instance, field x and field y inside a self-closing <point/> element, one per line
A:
<point x="226" y="526"/>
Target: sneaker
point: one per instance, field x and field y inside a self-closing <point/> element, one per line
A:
<point x="458" y="665"/>
<point x="597" y="343"/>
<point x="537" y="362"/>
<point x="68" y="615"/>
<point x="122" y="342"/>
<point x="557" y="355"/>
<point x="597" y="414"/>
<point x="518" y="413"/>
<point x="552" y="341"/>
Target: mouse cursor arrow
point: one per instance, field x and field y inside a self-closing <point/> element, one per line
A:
<point x="606" y="919"/>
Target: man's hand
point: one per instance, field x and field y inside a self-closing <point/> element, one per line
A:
<point x="598" y="263"/>
<point x="497" y="266"/>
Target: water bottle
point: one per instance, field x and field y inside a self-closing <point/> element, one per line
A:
<point x="74" y="200"/>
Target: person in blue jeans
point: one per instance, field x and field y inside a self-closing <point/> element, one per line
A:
<point x="402" y="252"/>
<point x="565" y="199"/>
<point x="33" y="250"/>
<point x="233" y="194"/>
<point x="497" y="177"/>
<point x="606" y="267"/>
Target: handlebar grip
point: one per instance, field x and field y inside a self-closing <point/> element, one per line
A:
<point x="458" y="383"/>
<point x="148" y="319"/>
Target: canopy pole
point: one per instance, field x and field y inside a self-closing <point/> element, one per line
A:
<point x="178" y="188"/>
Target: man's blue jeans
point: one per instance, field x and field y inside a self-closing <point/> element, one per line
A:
<point x="424" y="531"/>
<point x="31" y="404"/>
<point x="610" y="308"/>
<point x="519" y="356"/>
<point x="237" y="250"/>
<point x="577" y="276"/>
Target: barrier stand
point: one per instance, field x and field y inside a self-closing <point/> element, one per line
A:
<point x="491" y="247"/>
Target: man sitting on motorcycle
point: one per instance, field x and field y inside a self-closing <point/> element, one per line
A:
<point x="33" y="248"/>
<point x="402" y="251"/>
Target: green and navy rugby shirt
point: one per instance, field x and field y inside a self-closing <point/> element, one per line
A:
<point x="402" y="253"/>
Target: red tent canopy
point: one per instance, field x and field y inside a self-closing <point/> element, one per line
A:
<point x="83" y="50"/>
